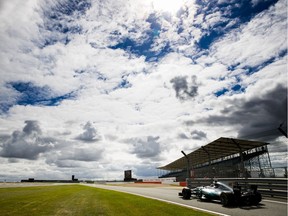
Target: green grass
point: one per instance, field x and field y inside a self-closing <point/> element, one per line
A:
<point x="82" y="200"/>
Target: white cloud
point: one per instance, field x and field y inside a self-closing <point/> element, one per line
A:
<point x="257" y="41"/>
<point x="125" y="113"/>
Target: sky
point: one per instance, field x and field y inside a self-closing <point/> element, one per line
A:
<point x="94" y="87"/>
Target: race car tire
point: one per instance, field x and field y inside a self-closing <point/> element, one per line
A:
<point x="256" y="199"/>
<point x="186" y="193"/>
<point x="226" y="199"/>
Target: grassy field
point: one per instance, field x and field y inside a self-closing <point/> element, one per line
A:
<point x="81" y="200"/>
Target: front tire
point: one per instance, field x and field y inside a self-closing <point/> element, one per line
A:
<point x="226" y="199"/>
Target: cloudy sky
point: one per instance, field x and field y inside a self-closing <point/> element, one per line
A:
<point x="96" y="87"/>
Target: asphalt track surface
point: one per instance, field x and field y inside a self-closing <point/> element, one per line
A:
<point x="170" y="194"/>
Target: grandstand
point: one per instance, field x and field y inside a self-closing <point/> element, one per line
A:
<point x="223" y="158"/>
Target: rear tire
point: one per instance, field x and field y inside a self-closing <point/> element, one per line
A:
<point x="256" y="199"/>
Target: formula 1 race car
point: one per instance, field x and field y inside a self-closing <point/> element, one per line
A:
<point x="227" y="195"/>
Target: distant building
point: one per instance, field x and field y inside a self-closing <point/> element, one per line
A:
<point x="128" y="176"/>
<point x="73" y="180"/>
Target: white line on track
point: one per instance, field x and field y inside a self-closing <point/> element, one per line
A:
<point x="273" y="201"/>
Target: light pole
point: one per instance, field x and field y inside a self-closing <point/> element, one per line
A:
<point x="188" y="164"/>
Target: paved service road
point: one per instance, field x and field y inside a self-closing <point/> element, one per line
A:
<point x="170" y="194"/>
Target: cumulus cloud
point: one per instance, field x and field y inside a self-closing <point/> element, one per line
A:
<point x="90" y="133"/>
<point x="194" y="134"/>
<point x="185" y="88"/>
<point x="198" y="135"/>
<point x="264" y="112"/>
<point x="254" y="116"/>
<point x="28" y="143"/>
<point x="147" y="147"/>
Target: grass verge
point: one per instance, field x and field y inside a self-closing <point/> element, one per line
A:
<point x="82" y="200"/>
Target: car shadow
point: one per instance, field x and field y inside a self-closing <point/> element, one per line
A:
<point x="252" y="207"/>
<point x="242" y="206"/>
<point x="209" y="201"/>
<point x="185" y="199"/>
<point x="246" y="207"/>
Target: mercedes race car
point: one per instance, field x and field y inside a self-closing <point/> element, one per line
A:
<point x="227" y="195"/>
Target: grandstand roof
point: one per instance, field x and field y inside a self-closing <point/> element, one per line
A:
<point x="220" y="148"/>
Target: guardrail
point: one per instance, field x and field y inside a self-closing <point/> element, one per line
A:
<point x="271" y="187"/>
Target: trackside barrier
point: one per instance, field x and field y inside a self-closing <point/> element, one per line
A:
<point x="170" y="180"/>
<point x="183" y="184"/>
<point x="272" y="187"/>
<point x="147" y="182"/>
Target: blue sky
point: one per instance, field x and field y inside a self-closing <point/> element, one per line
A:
<point x="93" y="88"/>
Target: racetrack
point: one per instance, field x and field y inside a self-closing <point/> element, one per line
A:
<point x="170" y="194"/>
